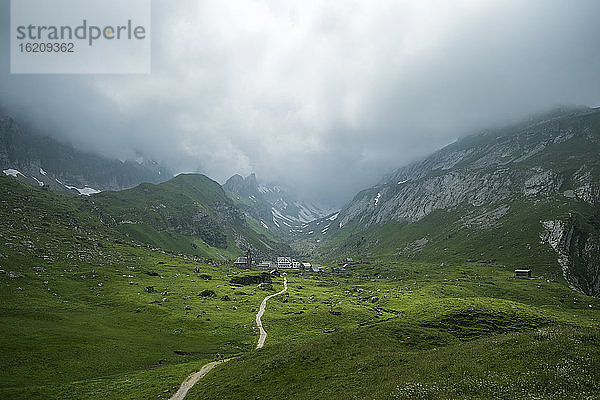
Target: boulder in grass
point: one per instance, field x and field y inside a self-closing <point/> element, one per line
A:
<point x="265" y="286"/>
<point x="252" y="279"/>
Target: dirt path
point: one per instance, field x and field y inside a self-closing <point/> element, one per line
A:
<point x="261" y="311"/>
<point x="193" y="378"/>
<point x="196" y="376"/>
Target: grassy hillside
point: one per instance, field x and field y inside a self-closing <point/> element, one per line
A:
<point x="465" y="233"/>
<point x="416" y="330"/>
<point x="189" y="214"/>
<point x="87" y="313"/>
<point x="396" y="361"/>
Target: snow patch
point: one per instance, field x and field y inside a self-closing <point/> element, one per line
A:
<point x="275" y="222"/>
<point x="401" y="182"/>
<point x="12" y="172"/>
<point x="334" y="216"/>
<point x="42" y="172"/>
<point x="264" y="225"/>
<point x="377" y="198"/>
<point x="86" y="191"/>
<point x="38" y="181"/>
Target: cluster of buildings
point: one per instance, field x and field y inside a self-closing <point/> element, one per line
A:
<point x="290" y="263"/>
<point x="281" y="263"/>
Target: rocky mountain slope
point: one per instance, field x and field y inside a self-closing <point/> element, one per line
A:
<point x="271" y="205"/>
<point x="536" y="185"/>
<point x="43" y="161"/>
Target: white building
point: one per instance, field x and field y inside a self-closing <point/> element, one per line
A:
<point x="284" y="262"/>
<point x="267" y="265"/>
<point x="287" y="263"/>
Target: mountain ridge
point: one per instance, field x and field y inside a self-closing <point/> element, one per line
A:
<point x="271" y="204"/>
<point x="43" y="161"/>
<point x="548" y="169"/>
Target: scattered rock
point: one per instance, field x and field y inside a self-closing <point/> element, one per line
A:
<point x="149" y="289"/>
<point x="264" y="277"/>
<point x="225" y="298"/>
<point x="374" y="299"/>
<point x="183" y="353"/>
<point x="332" y="312"/>
<point x="207" y="293"/>
<point x="265" y="286"/>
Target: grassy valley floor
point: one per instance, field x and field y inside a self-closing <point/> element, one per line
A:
<point x="86" y="313"/>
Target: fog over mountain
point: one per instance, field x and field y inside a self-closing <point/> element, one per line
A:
<point x="324" y="96"/>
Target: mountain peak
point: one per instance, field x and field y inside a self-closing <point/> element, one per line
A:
<point x="242" y="186"/>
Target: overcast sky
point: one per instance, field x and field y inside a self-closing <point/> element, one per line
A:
<point x="323" y="96"/>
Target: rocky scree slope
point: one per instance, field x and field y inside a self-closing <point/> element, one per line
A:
<point x="271" y="205"/>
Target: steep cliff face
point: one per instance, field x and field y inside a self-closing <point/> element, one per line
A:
<point x="551" y="165"/>
<point x="578" y="250"/>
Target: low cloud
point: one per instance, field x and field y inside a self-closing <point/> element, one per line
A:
<point x="325" y="97"/>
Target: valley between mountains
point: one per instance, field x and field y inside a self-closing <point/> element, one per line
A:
<point x="118" y="280"/>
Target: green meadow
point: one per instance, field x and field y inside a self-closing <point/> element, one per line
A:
<point x="89" y="312"/>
